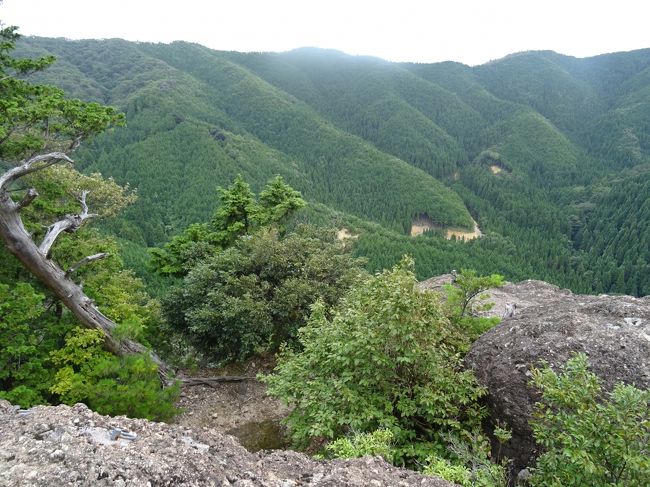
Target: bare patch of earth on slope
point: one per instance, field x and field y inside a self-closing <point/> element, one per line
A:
<point x="423" y="224"/>
<point x="241" y="409"/>
<point x="344" y="234"/>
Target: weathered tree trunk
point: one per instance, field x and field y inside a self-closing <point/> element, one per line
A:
<point x="35" y="259"/>
<point x="21" y="245"/>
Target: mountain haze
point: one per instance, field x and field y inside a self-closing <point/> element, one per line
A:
<point x="542" y="150"/>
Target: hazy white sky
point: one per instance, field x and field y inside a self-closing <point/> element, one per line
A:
<point x="469" y="31"/>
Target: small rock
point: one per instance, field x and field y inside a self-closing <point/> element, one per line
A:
<point x="57" y="455"/>
<point x="7" y="456"/>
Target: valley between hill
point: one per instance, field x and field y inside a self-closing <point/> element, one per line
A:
<point x="540" y="149"/>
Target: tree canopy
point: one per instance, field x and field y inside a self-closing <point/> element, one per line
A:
<point x="47" y="291"/>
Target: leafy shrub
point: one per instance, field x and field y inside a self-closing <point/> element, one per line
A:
<point x="590" y="438"/>
<point x="445" y="469"/>
<point x="108" y="384"/>
<point x="470" y="463"/>
<point x="255" y="295"/>
<point x="387" y="359"/>
<point x="375" y="443"/>
<point x="27" y="335"/>
<point x="466" y="298"/>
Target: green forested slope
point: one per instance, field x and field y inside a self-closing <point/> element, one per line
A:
<point x="180" y="118"/>
<point x="384" y="142"/>
<point x="382" y="102"/>
<point x="614" y="240"/>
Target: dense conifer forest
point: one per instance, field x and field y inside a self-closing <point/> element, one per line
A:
<point x="548" y="154"/>
<point x="266" y="205"/>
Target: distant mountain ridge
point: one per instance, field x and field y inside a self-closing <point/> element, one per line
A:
<point x="384" y="142"/>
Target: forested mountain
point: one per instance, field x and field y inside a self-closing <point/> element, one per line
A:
<point x="546" y="152"/>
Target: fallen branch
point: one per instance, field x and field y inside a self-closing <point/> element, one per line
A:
<point x="213" y="381"/>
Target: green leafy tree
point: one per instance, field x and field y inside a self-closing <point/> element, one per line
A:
<point x="589" y="438"/>
<point x="386" y="359"/>
<point x="43" y="200"/>
<point x="462" y="296"/>
<point x="38" y="118"/>
<point x="238" y="214"/>
<point x="278" y="201"/>
<point x="238" y="210"/>
<point x="109" y="384"/>
<point x="467" y="286"/>
<point x="39" y="127"/>
<point x="255" y="295"/>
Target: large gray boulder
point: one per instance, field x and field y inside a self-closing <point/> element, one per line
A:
<point x="51" y="446"/>
<point x="551" y="324"/>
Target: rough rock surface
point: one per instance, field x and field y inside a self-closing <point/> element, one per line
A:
<point x="550" y="324"/>
<point x="52" y="446"/>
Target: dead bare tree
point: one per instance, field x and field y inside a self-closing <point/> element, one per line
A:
<point x="40" y="127"/>
<point x="36" y="257"/>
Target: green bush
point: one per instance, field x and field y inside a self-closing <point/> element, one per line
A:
<point x="387" y="359"/>
<point x="589" y="438"/>
<point x="466" y="298"/>
<point x="255" y="295"/>
<point x="471" y="463"/>
<point x="375" y="443"/>
<point x="108" y="384"/>
<point x="27" y="336"/>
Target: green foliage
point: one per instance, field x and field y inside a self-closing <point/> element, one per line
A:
<point x="237" y="211"/>
<point x="26" y="337"/>
<point x="589" y="438"/>
<point x="375" y="443"/>
<point x="238" y="214"/>
<point x="39" y="117"/>
<point x="108" y="384"/>
<point x="471" y="464"/>
<point x="386" y="359"/>
<point x="185" y="250"/>
<point x="447" y="470"/>
<point x="256" y="294"/>
<point x="461" y="300"/>
<point x="62" y="185"/>
<point x="278" y="201"/>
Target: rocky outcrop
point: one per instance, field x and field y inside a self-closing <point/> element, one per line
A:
<point x="551" y="324"/>
<point x="51" y="446"/>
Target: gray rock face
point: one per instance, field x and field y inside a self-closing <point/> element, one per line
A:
<point x="51" y="446"/>
<point x="550" y="324"/>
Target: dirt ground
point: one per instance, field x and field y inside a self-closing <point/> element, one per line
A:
<point x="241" y="409"/>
